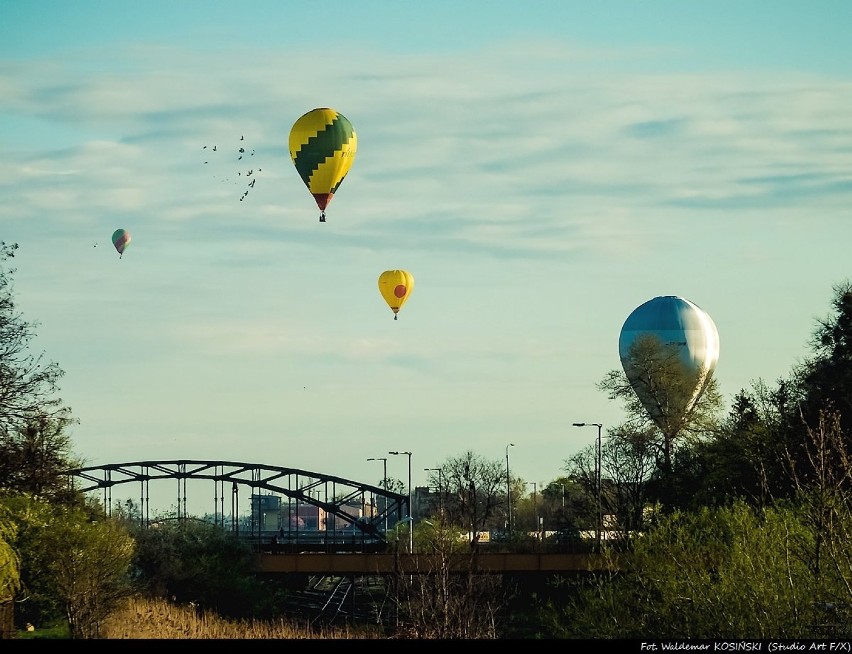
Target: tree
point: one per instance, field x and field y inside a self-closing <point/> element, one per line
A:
<point x="826" y="377"/>
<point x="35" y="456"/>
<point x="628" y="462"/>
<point x="823" y="381"/>
<point x="90" y="564"/>
<point x="452" y="598"/>
<point x="28" y="383"/>
<point x="715" y="573"/>
<point x="824" y="493"/>
<point x="682" y="409"/>
<point x="741" y="570"/>
<point x="199" y="562"/>
<point x="745" y="458"/>
<point x="627" y="466"/>
<point x="475" y="491"/>
<point x="748" y="455"/>
<point x="75" y="562"/>
<point x="393" y="485"/>
<point x="34" y="444"/>
<point x="10" y="572"/>
<point x="565" y="503"/>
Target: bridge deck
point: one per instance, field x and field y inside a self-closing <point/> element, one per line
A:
<point x="370" y="564"/>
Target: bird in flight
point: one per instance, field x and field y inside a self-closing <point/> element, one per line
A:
<point x="250" y="176"/>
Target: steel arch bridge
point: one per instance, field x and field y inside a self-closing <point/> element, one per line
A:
<point x="340" y="498"/>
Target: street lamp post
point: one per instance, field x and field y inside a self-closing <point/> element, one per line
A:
<point x="440" y="488"/>
<point x="410" y="507"/>
<point x="535" y="506"/>
<point x="384" y="461"/>
<point x="508" y="493"/>
<point x="599" y="517"/>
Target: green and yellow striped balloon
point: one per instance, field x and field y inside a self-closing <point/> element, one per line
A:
<point x="322" y="147"/>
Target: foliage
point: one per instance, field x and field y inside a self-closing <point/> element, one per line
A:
<point x="57" y="630"/>
<point x="665" y="383"/>
<point x="824" y="494"/>
<point x="34" y="445"/>
<point x="475" y="491"/>
<point x="37" y="600"/>
<point x="438" y="536"/>
<point x="754" y="542"/>
<point x="10" y="562"/>
<point x="628" y="463"/>
<point x="826" y="377"/>
<point x="743" y="459"/>
<point x="750" y="454"/>
<point x="734" y="572"/>
<point x="90" y="566"/>
<point x="75" y="563"/>
<point x="682" y="417"/>
<point x="393" y="485"/>
<point x="741" y="570"/>
<point x="195" y="561"/>
<point x="452" y="598"/>
<point x="35" y="456"/>
<point x="823" y="381"/>
<point x="565" y="503"/>
<point x="725" y="573"/>
<point x="28" y="383"/>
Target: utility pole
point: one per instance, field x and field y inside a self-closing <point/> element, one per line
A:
<point x="599" y="517"/>
<point x="508" y="493"/>
<point x="410" y="508"/>
<point x="384" y="460"/>
<point x="440" y="488"/>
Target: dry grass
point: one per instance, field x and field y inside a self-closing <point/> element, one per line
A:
<point x="157" y="619"/>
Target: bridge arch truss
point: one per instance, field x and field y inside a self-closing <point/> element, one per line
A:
<point x="362" y="508"/>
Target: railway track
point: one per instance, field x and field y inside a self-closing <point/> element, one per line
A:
<point x="331" y="601"/>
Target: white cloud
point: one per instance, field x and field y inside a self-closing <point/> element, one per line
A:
<point x="538" y="191"/>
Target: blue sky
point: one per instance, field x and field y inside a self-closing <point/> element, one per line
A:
<point x="542" y="169"/>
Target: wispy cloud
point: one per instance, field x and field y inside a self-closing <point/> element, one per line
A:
<point x="538" y="190"/>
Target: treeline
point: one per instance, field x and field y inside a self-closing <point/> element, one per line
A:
<point x="65" y="565"/>
<point x="735" y="525"/>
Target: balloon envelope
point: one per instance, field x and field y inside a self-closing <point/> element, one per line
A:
<point x="323" y="144"/>
<point x="121" y="239"/>
<point x="680" y="324"/>
<point x="395" y="287"/>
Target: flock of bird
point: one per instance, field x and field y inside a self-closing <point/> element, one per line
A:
<point x="250" y="174"/>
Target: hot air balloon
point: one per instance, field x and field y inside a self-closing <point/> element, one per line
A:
<point x="669" y="348"/>
<point x="396" y="286"/>
<point x="322" y="146"/>
<point x="121" y="239"/>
